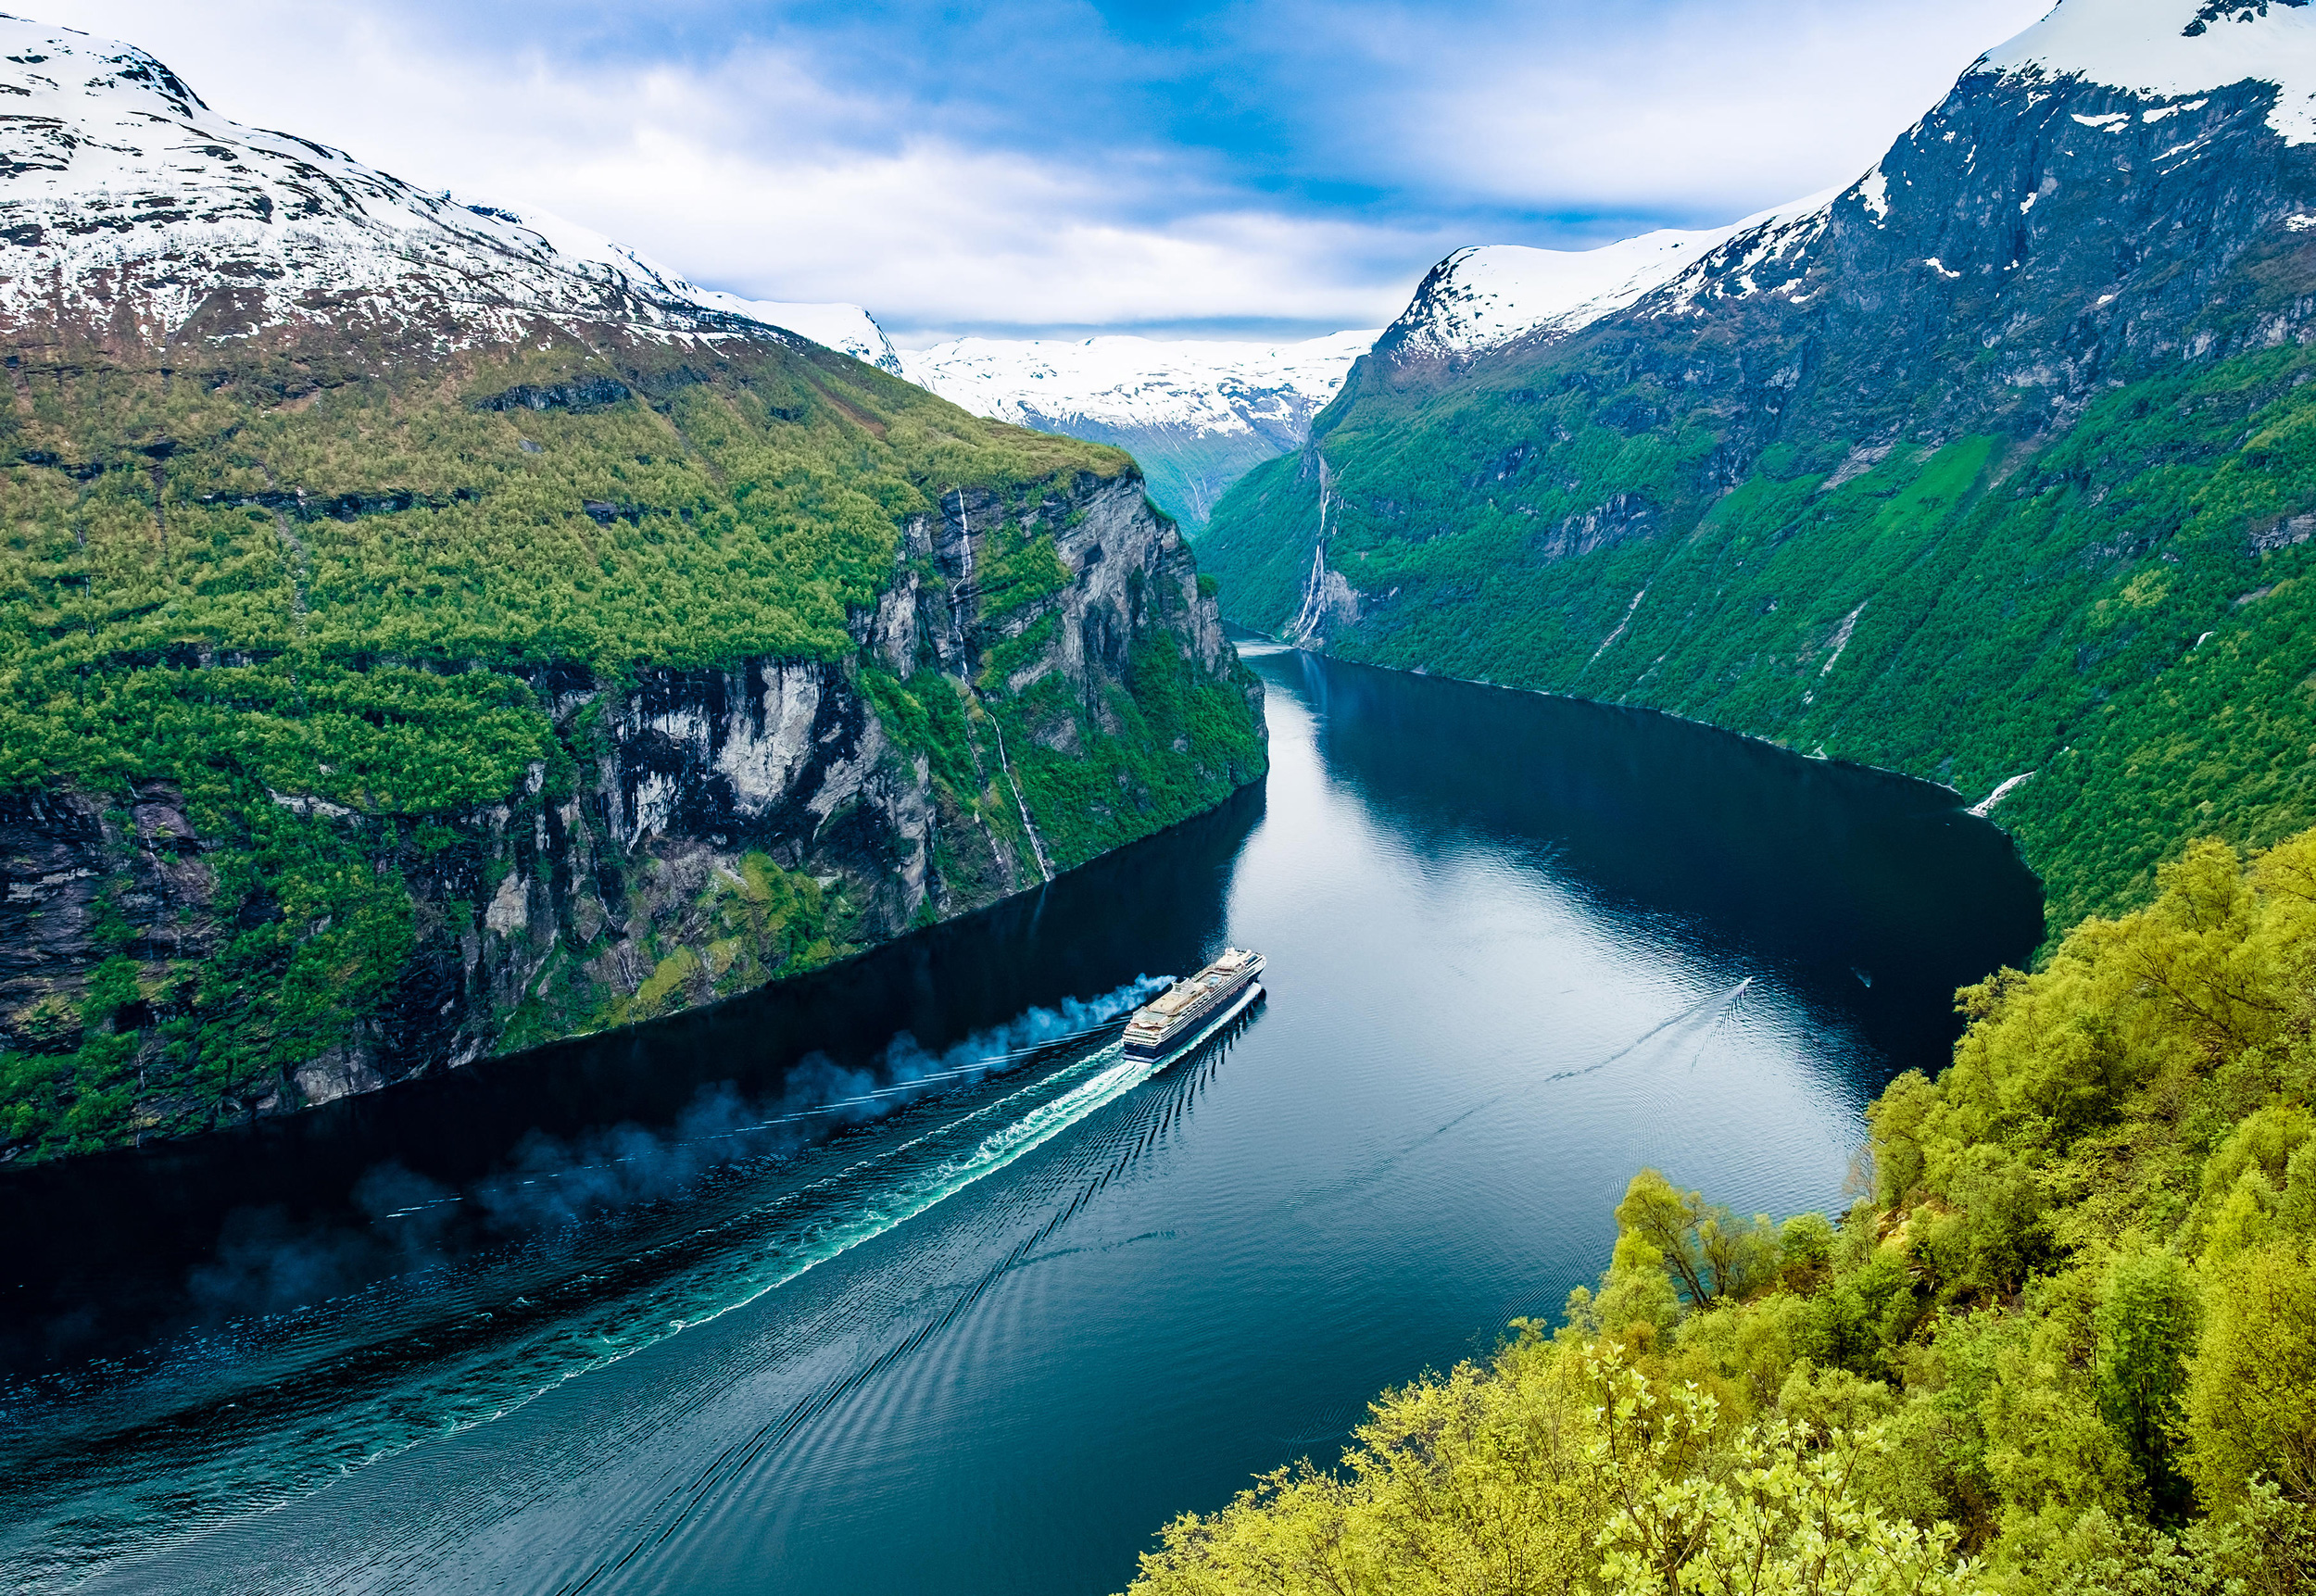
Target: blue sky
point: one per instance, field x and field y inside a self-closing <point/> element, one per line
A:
<point x="1263" y="167"/>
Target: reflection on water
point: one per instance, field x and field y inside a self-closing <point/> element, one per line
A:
<point x="899" y="1276"/>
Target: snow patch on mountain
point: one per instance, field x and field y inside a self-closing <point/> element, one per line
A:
<point x="2168" y="49"/>
<point x="128" y="205"/>
<point x="1482" y="297"/>
<point x="1199" y="387"/>
<point x="1769" y="253"/>
<point x="847" y="329"/>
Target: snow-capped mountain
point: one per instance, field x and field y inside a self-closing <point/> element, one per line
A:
<point x="2143" y="48"/>
<point x="2160" y="50"/>
<point x="1197" y="413"/>
<point x="131" y="209"/>
<point x="848" y="329"/>
<point x="1482" y="297"/>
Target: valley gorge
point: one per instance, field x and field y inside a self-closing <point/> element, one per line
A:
<point x="596" y="872"/>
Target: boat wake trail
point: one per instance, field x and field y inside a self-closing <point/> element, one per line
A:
<point x="1092" y="1166"/>
<point x="1715" y="1007"/>
<point x="312" y="1402"/>
<point x="1709" y="1012"/>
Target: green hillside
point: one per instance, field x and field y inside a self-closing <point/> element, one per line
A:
<point x="354" y="617"/>
<point x="2066" y="1346"/>
<point x="2121" y="610"/>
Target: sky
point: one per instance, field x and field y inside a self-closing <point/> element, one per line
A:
<point x="1214" y="167"/>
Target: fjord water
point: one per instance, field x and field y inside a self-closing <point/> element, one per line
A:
<point x="715" y="1306"/>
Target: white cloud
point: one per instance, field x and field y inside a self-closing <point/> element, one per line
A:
<point x="745" y="169"/>
<point x="737" y="177"/>
<point x="1702" y="110"/>
<point x="934" y="233"/>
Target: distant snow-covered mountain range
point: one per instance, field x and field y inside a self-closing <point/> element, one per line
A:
<point x="1197" y="413"/>
<point x="135" y="210"/>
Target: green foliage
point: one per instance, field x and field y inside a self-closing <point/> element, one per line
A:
<point x="2098" y="611"/>
<point x="1173" y="743"/>
<point x="1563" y="1467"/>
<point x="2251" y="1396"/>
<point x="2146" y="1323"/>
<point x="311" y="594"/>
<point x="1706" y="1249"/>
<point x="2069" y="1345"/>
<point x="1016" y="572"/>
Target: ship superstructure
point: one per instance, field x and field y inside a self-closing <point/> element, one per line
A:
<point x="1188" y="1005"/>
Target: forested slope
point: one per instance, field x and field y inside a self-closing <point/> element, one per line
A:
<point x="2067" y="1344"/>
<point x="1998" y="462"/>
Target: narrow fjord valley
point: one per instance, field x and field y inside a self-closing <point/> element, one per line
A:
<point x="1985" y="467"/>
<point x="430" y="634"/>
<point x="1196" y="414"/>
<point x="578" y="848"/>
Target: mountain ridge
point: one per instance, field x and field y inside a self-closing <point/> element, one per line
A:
<point x="1931" y="430"/>
<point x="1486" y="295"/>
<point x="150" y="212"/>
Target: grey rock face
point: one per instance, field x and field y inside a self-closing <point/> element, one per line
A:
<point x="2022" y="247"/>
<point x="718" y="803"/>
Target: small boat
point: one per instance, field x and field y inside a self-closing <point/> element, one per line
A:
<point x="1189" y="1006"/>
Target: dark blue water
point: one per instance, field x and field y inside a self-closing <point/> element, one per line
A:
<point x="698" y="1310"/>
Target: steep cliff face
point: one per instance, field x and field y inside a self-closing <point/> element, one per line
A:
<point x="684" y="834"/>
<point x="1986" y="464"/>
<point x="758" y="819"/>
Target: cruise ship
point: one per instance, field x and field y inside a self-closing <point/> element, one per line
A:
<point x="1189" y="1006"/>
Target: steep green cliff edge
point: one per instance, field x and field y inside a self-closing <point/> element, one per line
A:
<point x="362" y="711"/>
<point x="2123" y="611"/>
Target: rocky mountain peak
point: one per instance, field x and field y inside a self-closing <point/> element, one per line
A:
<point x="2161" y="53"/>
<point x="2231" y="11"/>
<point x="130" y="210"/>
<point x="1485" y="298"/>
<point x="2168" y="49"/>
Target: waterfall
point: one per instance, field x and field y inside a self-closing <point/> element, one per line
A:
<point x="956" y="615"/>
<point x="1036" y="844"/>
<point x="1306" y="621"/>
<point x="964" y="593"/>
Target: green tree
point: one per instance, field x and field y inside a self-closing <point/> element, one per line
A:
<point x="2146" y="1320"/>
<point x="1707" y="1249"/>
<point x="2250" y="1398"/>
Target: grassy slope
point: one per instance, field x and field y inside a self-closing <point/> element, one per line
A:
<point x="170" y="610"/>
<point x="2016" y="605"/>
